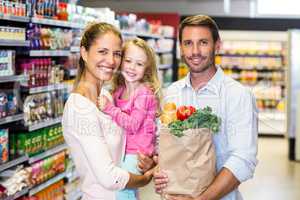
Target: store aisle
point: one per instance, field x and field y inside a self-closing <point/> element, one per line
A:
<point x="276" y="177"/>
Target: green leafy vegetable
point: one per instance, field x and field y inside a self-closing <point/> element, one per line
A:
<point x="202" y="118"/>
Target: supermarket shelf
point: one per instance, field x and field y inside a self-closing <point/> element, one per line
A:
<point x="42" y="186"/>
<point x="48" y="153"/>
<point x="17" y="195"/>
<point x="4" y="79"/>
<point x="46" y="123"/>
<point x="72" y="175"/>
<point x="167" y="84"/>
<point x="272" y="123"/>
<point x="161" y="51"/>
<point x="59" y="86"/>
<point x="75" y="49"/>
<point x="74" y="196"/>
<point x="13" y="163"/>
<point x="272" y="116"/>
<point x="166" y="66"/>
<point x="251" y="55"/>
<point x="14" y="43"/>
<point x="53" y="22"/>
<point x="10" y="119"/>
<point x="258" y="68"/>
<point x="73" y="72"/>
<point x="149" y="35"/>
<point x="14" y="18"/>
<point x="42" y="53"/>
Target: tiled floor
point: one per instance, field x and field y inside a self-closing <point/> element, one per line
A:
<point x="276" y="178"/>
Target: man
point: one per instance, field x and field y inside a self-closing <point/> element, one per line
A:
<point x="206" y="84"/>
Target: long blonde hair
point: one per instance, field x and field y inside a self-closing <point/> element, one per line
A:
<point x="91" y="33"/>
<point x="151" y="74"/>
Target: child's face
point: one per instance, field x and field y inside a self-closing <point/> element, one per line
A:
<point x="134" y="64"/>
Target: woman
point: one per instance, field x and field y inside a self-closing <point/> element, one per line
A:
<point x="96" y="142"/>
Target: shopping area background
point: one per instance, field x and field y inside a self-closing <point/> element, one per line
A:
<point x="39" y="54"/>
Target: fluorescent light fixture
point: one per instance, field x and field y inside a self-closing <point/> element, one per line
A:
<point x="278" y="7"/>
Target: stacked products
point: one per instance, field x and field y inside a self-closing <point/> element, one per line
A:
<point x="8" y="103"/>
<point x="7" y="62"/>
<point x="41" y="71"/>
<point x="3" y="145"/>
<point x="43" y="106"/>
<point x="49" y="38"/>
<point x="12" y="33"/>
<point x="35" y="142"/>
<point x="14" y="8"/>
<point x="34" y="175"/>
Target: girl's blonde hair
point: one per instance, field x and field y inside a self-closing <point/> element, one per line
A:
<point x="92" y="32"/>
<point x="151" y="74"/>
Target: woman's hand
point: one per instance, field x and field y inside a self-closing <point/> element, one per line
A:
<point x="149" y="174"/>
<point x="102" y="102"/>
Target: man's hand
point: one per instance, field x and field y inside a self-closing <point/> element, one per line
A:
<point x="160" y="181"/>
<point x="145" y="162"/>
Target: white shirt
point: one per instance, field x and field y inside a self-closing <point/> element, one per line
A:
<point x="97" y="145"/>
<point x="236" y="142"/>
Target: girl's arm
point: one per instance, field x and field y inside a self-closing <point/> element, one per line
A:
<point x="132" y="121"/>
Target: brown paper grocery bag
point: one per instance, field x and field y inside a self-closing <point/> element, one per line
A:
<point x="189" y="161"/>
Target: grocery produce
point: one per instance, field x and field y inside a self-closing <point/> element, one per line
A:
<point x="184" y="112"/>
<point x="201" y="118"/>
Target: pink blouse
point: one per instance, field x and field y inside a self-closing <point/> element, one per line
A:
<point x="137" y="117"/>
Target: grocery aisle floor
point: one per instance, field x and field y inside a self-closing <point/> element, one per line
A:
<point x="276" y="177"/>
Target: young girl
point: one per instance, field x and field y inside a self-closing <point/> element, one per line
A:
<point x="136" y="102"/>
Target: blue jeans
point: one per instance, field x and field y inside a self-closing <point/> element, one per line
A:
<point x="129" y="163"/>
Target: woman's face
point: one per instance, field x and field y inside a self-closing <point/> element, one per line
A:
<point x="103" y="57"/>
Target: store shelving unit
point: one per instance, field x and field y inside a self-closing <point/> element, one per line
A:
<point x="47" y="153"/>
<point x="13" y="163"/>
<point x="46" y="184"/>
<point x="12" y="118"/>
<point x="18" y="194"/>
<point x="75" y="196"/>
<point x="47" y="88"/>
<point x="257" y="60"/>
<point x="167" y="66"/>
<point x="13" y="78"/>
<point x="14" y="18"/>
<point x="44" y="124"/>
<point x="49" y="53"/>
<point x="140" y="34"/>
<point x="52" y="22"/>
<point x="14" y="43"/>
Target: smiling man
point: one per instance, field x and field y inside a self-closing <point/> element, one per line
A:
<point x="206" y="85"/>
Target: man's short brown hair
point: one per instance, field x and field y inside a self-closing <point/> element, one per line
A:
<point x="200" y="20"/>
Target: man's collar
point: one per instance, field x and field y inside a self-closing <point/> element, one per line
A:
<point x="213" y="85"/>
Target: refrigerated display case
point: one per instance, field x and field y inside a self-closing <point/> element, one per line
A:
<point x="257" y="59"/>
<point x="293" y="92"/>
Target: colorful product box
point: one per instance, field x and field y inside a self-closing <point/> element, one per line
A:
<point x="3" y="145"/>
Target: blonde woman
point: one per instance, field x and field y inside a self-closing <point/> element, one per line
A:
<point x="135" y="104"/>
<point x="97" y="143"/>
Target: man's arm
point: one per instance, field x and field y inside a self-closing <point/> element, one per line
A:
<point x="224" y="183"/>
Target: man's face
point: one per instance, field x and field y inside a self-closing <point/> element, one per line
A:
<point x="198" y="48"/>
